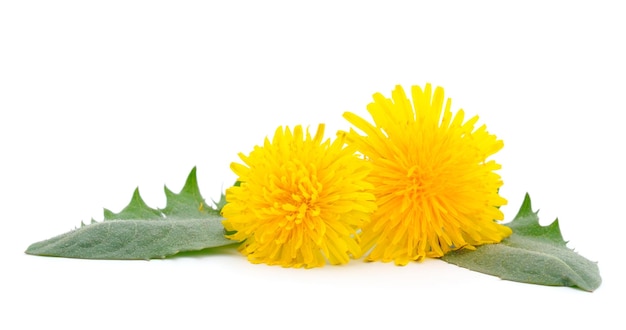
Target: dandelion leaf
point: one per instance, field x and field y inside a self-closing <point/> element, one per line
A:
<point x="186" y="223"/>
<point x="532" y="254"/>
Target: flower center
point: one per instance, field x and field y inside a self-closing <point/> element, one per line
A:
<point x="420" y="183"/>
<point x="303" y="191"/>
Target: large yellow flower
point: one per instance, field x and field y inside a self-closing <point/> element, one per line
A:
<point x="300" y="201"/>
<point x="435" y="188"/>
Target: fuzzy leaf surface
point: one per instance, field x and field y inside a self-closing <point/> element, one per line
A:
<point x="532" y="254"/>
<point x="187" y="223"/>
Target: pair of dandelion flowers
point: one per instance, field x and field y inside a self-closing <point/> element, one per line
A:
<point x="415" y="182"/>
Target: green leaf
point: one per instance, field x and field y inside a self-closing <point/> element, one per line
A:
<point x="186" y="223"/>
<point x="532" y="254"/>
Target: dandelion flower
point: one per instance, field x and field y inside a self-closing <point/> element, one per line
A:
<point x="435" y="189"/>
<point x="300" y="201"/>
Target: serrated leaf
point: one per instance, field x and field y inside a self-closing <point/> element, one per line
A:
<point x="136" y="209"/>
<point x="189" y="202"/>
<point x="187" y="223"/>
<point x="532" y="254"/>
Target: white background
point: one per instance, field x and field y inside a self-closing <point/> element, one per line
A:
<point x="97" y="98"/>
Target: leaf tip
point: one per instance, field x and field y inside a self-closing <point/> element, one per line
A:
<point x="136" y="196"/>
<point x="191" y="185"/>
<point x="527" y="204"/>
<point x="108" y="214"/>
<point x="526" y="208"/>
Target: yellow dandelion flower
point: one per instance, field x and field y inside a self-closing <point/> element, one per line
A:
<point x="300" y="201"/>
<point x="435" y="189"/>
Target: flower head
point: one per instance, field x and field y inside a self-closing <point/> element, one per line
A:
<point x="300" y="201"/>
<point x="435" y="189"/>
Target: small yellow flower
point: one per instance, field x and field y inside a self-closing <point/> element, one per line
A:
<point x="300" y="201"/>
<point x="435" y="189"/>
